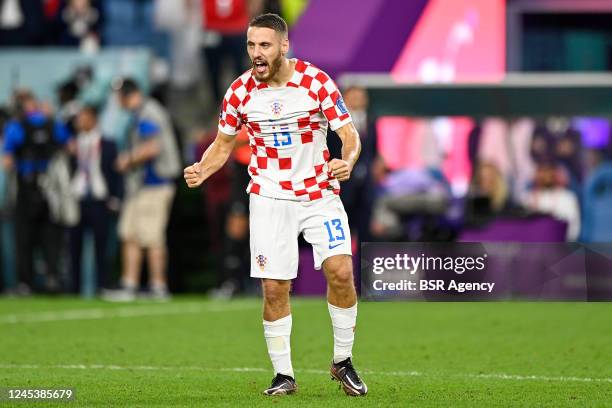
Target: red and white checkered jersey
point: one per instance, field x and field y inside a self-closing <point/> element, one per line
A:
<point x="287" y="129"/>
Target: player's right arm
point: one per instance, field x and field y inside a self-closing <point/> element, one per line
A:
<point x="212" y="160"/>
<point x="219" y="151"/>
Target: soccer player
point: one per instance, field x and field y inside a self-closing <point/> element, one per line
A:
<point x="286" y="106"/>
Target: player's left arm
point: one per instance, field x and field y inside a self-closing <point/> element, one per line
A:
<point x="351" y="147"/>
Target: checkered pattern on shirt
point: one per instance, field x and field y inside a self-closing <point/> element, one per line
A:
<point x="287" y="129"/>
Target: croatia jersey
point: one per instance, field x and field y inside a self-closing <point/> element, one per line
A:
<point x="287" y="129"/>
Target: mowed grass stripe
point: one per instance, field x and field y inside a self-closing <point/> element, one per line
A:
<point x="496" y="376"/>
<point x="121" y="312"/>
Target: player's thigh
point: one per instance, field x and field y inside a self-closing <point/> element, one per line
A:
<point x="273" y="229"/>
<point x="325" y="226"/>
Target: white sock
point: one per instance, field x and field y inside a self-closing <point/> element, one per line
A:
<point x="158" y="287"/>
<point x="343" y="323"/>
<point x="277" y="334"/>
<point x="128" y="285"/>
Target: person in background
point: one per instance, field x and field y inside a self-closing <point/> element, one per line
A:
<point x="358" y="192"/>
<point x="488" y="196"/>
<point x="551" y="196"/>
<point x="22" y="23"/>
<point x="408" y="194"/>
<point x="97" y="185"/>
<point x="80" y="23"/>
<point x="7" y="274"/>
<point x="30" y="142"/>
<point x="69" y="104"/>
<point x="150" y="165"/>
<point x="236" y="252"/>
<point x="225" y="23"/>
<point x="215" y="194"/>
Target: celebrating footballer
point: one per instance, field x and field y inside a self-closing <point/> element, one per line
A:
<point x="286" y="106"/>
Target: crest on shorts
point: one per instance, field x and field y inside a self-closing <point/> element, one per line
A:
<point x="276" y="108"/>
<point x="261" y="261"/>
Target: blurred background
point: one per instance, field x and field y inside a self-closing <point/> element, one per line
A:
<point x="481" y="120"/>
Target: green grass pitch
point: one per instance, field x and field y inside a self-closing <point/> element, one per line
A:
<point x="197" y="352"/>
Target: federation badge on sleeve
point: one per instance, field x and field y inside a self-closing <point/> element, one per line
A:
<point x="341" y="106"/>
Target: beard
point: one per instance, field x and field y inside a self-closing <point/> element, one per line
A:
<point x="273" y="68"/>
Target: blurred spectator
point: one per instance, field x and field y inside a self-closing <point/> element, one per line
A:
<point x="557" y="140"/>
<point x="7" y="274"/>
<point x="22" y="23"/>
<point x="69" y="105"/>
<point x="488" y="196"/>
<point x="30" y="143"/>
<point x="216" y="192"/>
<point x="358" y="192"/>
<point x="507" y="144"/>
<point x="597" y="199"/>
<point x="52" y="8"/>
<point x="97" y="185"/>
<point x="550" y="196"/>
<point x="150" y="164"/>
<point x="418" y="193"/>
<point x="225" y="23"/>
<point x="129" y="23"/>
<point x="80" y="23"/>
<point x="182" y="20"/>
<point x="257" y="7"/>
<point x="542" y="144"/>
<point x="594" y="158"/>
<point x="236" y="252"/>
<point x="568" y="152"/>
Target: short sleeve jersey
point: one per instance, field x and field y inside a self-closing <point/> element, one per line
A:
<point x="287" y="129"/>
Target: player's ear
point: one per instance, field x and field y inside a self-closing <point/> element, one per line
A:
<point x="285" y="46"/>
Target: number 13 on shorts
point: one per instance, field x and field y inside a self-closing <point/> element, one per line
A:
<point x="335" y="232"/>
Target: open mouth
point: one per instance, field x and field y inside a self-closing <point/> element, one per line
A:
<point x="260" y="66"/>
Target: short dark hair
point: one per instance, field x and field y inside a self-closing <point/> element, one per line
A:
<point x="126" y="86"/>
<point x="270" y="20"/>
<point x="90" y="110"/>
<point x="20" y="98"/>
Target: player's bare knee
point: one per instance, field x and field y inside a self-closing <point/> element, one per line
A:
<point x="275" y="292"/>
<point x="341" y="277"/>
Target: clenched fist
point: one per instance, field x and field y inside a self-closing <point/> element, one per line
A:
<point x="193" y="175"/>
<point x="340" y="169"/>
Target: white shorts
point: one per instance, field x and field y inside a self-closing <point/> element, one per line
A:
<point x="276" y="224"/>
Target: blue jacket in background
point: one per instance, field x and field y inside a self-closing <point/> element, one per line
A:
<point x="14" y="138"/>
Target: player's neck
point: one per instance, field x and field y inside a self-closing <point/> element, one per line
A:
<point x="283" y="75"/>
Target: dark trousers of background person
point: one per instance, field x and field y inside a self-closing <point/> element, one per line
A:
<point x="95" y="217"/>
<point x="236" y="258"/>
<point x="34" y="229"/>
<point x="232" y="47"/>
<point x="236" y="250"/>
